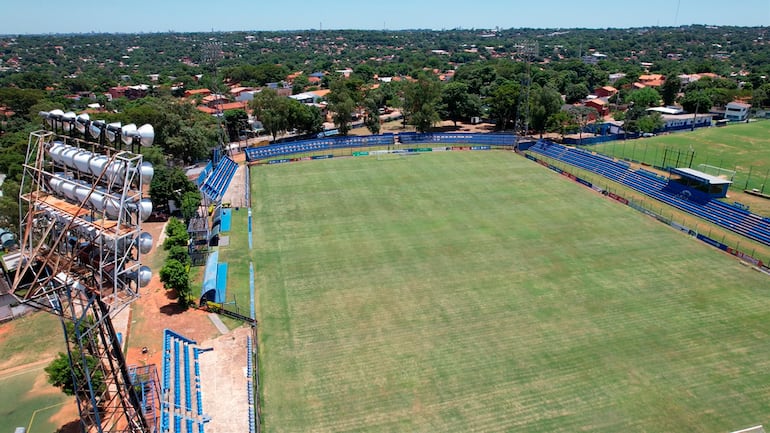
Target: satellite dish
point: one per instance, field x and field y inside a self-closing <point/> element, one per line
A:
<point x="127" y="133"/>
<point x="146" y="135"/>
<point x="113" y="130"/>
<point x="81" y="121"/>
<point x="68" y="120"/>
<point x="96" y="128"/>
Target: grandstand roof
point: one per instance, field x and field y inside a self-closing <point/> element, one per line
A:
<point x="701" y="176"/>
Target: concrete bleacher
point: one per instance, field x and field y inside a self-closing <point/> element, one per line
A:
<point x="317" y="145"/>
<point x="177" y="401"/>
<point x="722" y="214"/>
<point x="457" y="138"/>
<point x="216" y="183"/>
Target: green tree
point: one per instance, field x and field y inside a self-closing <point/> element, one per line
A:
<point x="582" y="115"/>
<point x="546" y="102"/>
<point x="191" y="143"/>
<point x="562" y="123"/>
<point x="457" y="103"/>
<point x="174" y="276"/>
<point x="176" y="234"/>
<point x="179" y="254"/>
<point x="503" y="104"/>
<point x="670" y="90"/>
<point x="650" y="123"/>
<point x="696" y="102"/>
<point x="342" y="112"/>
<point x="421" y="100"/>
<point x="191" y="200"/>
<point x="169" y="184"/>
<point x="272" y="110"/>
<point x="575" y="92"/>
<point x="60" y="373"/>
<point x="372" y="116"/>
<point x="235" y="122"/>
<point x="645" y="98"/>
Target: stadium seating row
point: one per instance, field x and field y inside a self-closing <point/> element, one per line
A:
<point x="457" y="138"/>
<point x="176" y="370"/>
<point x="722" y="214"/>
<point x="316" y="145"/>
<point x="204" y="174"/>
<point x="215" y="185"/>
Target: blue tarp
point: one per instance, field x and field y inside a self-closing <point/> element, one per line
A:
<point x="221" y="283"/>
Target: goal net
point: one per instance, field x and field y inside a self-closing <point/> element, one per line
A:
<point x="718" y="172"/>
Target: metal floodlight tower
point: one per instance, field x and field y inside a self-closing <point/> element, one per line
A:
<point x="526" y="52"/>
<point x="81" y="245"/>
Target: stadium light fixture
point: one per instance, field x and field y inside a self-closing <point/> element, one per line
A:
<point x="81" y="121"/>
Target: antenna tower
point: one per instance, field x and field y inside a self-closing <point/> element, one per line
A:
<point x="212" y="54"/>
<point x="526" y="52"/>
<point x="81" y="244"/>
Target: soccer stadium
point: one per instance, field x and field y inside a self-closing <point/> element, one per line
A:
<point x="455" y="282"/>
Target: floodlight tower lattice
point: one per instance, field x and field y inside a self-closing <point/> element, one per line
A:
<point x="212" y="53"/>
<point x="526" y="51"/>
<point x="80" y="258"/>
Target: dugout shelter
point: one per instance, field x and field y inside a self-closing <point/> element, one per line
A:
<point x="697" y="185"/>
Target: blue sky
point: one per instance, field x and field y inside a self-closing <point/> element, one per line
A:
<point x="83" y="16"/>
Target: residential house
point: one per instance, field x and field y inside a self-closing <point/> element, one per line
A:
<point x="214" y="100"/>
<point x="652" y="80"/>
<point x="605" y="92"/>
<point x="600" y="105"/>
<point x="195" y="92"/>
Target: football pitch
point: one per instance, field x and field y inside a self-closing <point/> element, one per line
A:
<point x="479" y="291"/>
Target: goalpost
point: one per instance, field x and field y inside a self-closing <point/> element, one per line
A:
<point x="755" y="429"/>
<point x="717" y="171"/>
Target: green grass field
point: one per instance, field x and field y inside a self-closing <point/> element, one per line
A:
<point x="24" y="405"/>
<point x="742" y="147"/>
<point x="478" y="291"/>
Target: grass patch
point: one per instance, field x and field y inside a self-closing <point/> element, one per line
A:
<point x="21" y="399"/>
<point x="41" y="331"/>
<point x="479" y="291"/>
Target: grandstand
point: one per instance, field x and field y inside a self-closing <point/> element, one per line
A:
<point x="458" y="138"/>
<point x="317" y="145"/>
<point x="327" y="144"/>
<point x="733" y="218"/>
<point x="214" y="185"/>
<point x="177" y="402"/>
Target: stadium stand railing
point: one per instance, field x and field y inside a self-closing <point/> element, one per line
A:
<point x="457" y="138"/>
<point x="722" y="214"/>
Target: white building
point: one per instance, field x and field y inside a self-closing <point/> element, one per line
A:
<point x="737" y="111"/>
